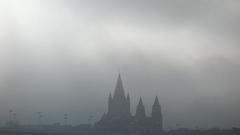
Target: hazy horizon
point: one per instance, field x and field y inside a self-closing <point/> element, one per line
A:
<point x="63" y="56"/>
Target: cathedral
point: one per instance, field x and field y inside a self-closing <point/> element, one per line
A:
<point x="119" y="118"/>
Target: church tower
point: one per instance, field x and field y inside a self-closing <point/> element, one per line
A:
<point x="140" y="111"/>
<point x="156" y="114"/>
<point x="119" y="104"/>
<point x="119" y="94"/>
<point x="119" y="118"/>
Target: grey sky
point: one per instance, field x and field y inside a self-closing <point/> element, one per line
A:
<point x="63" y="56"/>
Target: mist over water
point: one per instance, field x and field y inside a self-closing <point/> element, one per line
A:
<point x="64" y="56"/>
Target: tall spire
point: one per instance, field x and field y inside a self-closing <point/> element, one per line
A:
<point x="157" y="114"/>
<point x="140" y="101"/>
<point x="110" y="103"/>
<point x="156" y="109"/>
<point x="128" y="103"/>
<point x="156" y="102"/>
<point x="110" y="96"/>
<point x="119" y="90"/>
<point x="140" y="111"/>
<point x="128" y="97"/>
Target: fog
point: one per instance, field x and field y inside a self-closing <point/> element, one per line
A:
<point x="63" y="56"/>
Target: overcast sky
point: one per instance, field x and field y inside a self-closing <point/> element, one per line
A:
<point x="63" y="56"/>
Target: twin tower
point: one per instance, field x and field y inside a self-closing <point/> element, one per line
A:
<point x="119" y="118"/>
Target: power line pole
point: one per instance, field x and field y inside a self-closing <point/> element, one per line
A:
<point x="10" y="115"/>
<point x="39" y="114"/>
<point x="90" y="120"/>
<point x="65" y="119"/>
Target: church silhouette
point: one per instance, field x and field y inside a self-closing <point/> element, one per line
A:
<point x="119" y="118"/>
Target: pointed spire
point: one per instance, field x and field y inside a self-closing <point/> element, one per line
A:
<point x="157" y="113"/>
<point x="110" y="103"/>
<point x="156" y="109"/>
<point x="119" y="91"/>
<point x="128" y="97"/>
<point x="128" y="103"/>
<point x="156" y="102"/>
<point x="110" y="96"/>
<point x="140" y="110"/>
<point x="140" y="101"/>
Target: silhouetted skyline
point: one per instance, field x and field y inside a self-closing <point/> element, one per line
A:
<point x="119" y="117"/>
<point x="62" y="57"/>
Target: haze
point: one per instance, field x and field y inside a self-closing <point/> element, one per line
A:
<point x="63" y="56"/>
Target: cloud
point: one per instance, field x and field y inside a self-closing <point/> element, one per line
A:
<point x="68" y="52"/>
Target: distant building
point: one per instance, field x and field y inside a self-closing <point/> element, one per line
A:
<point x="119" y="118"/>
